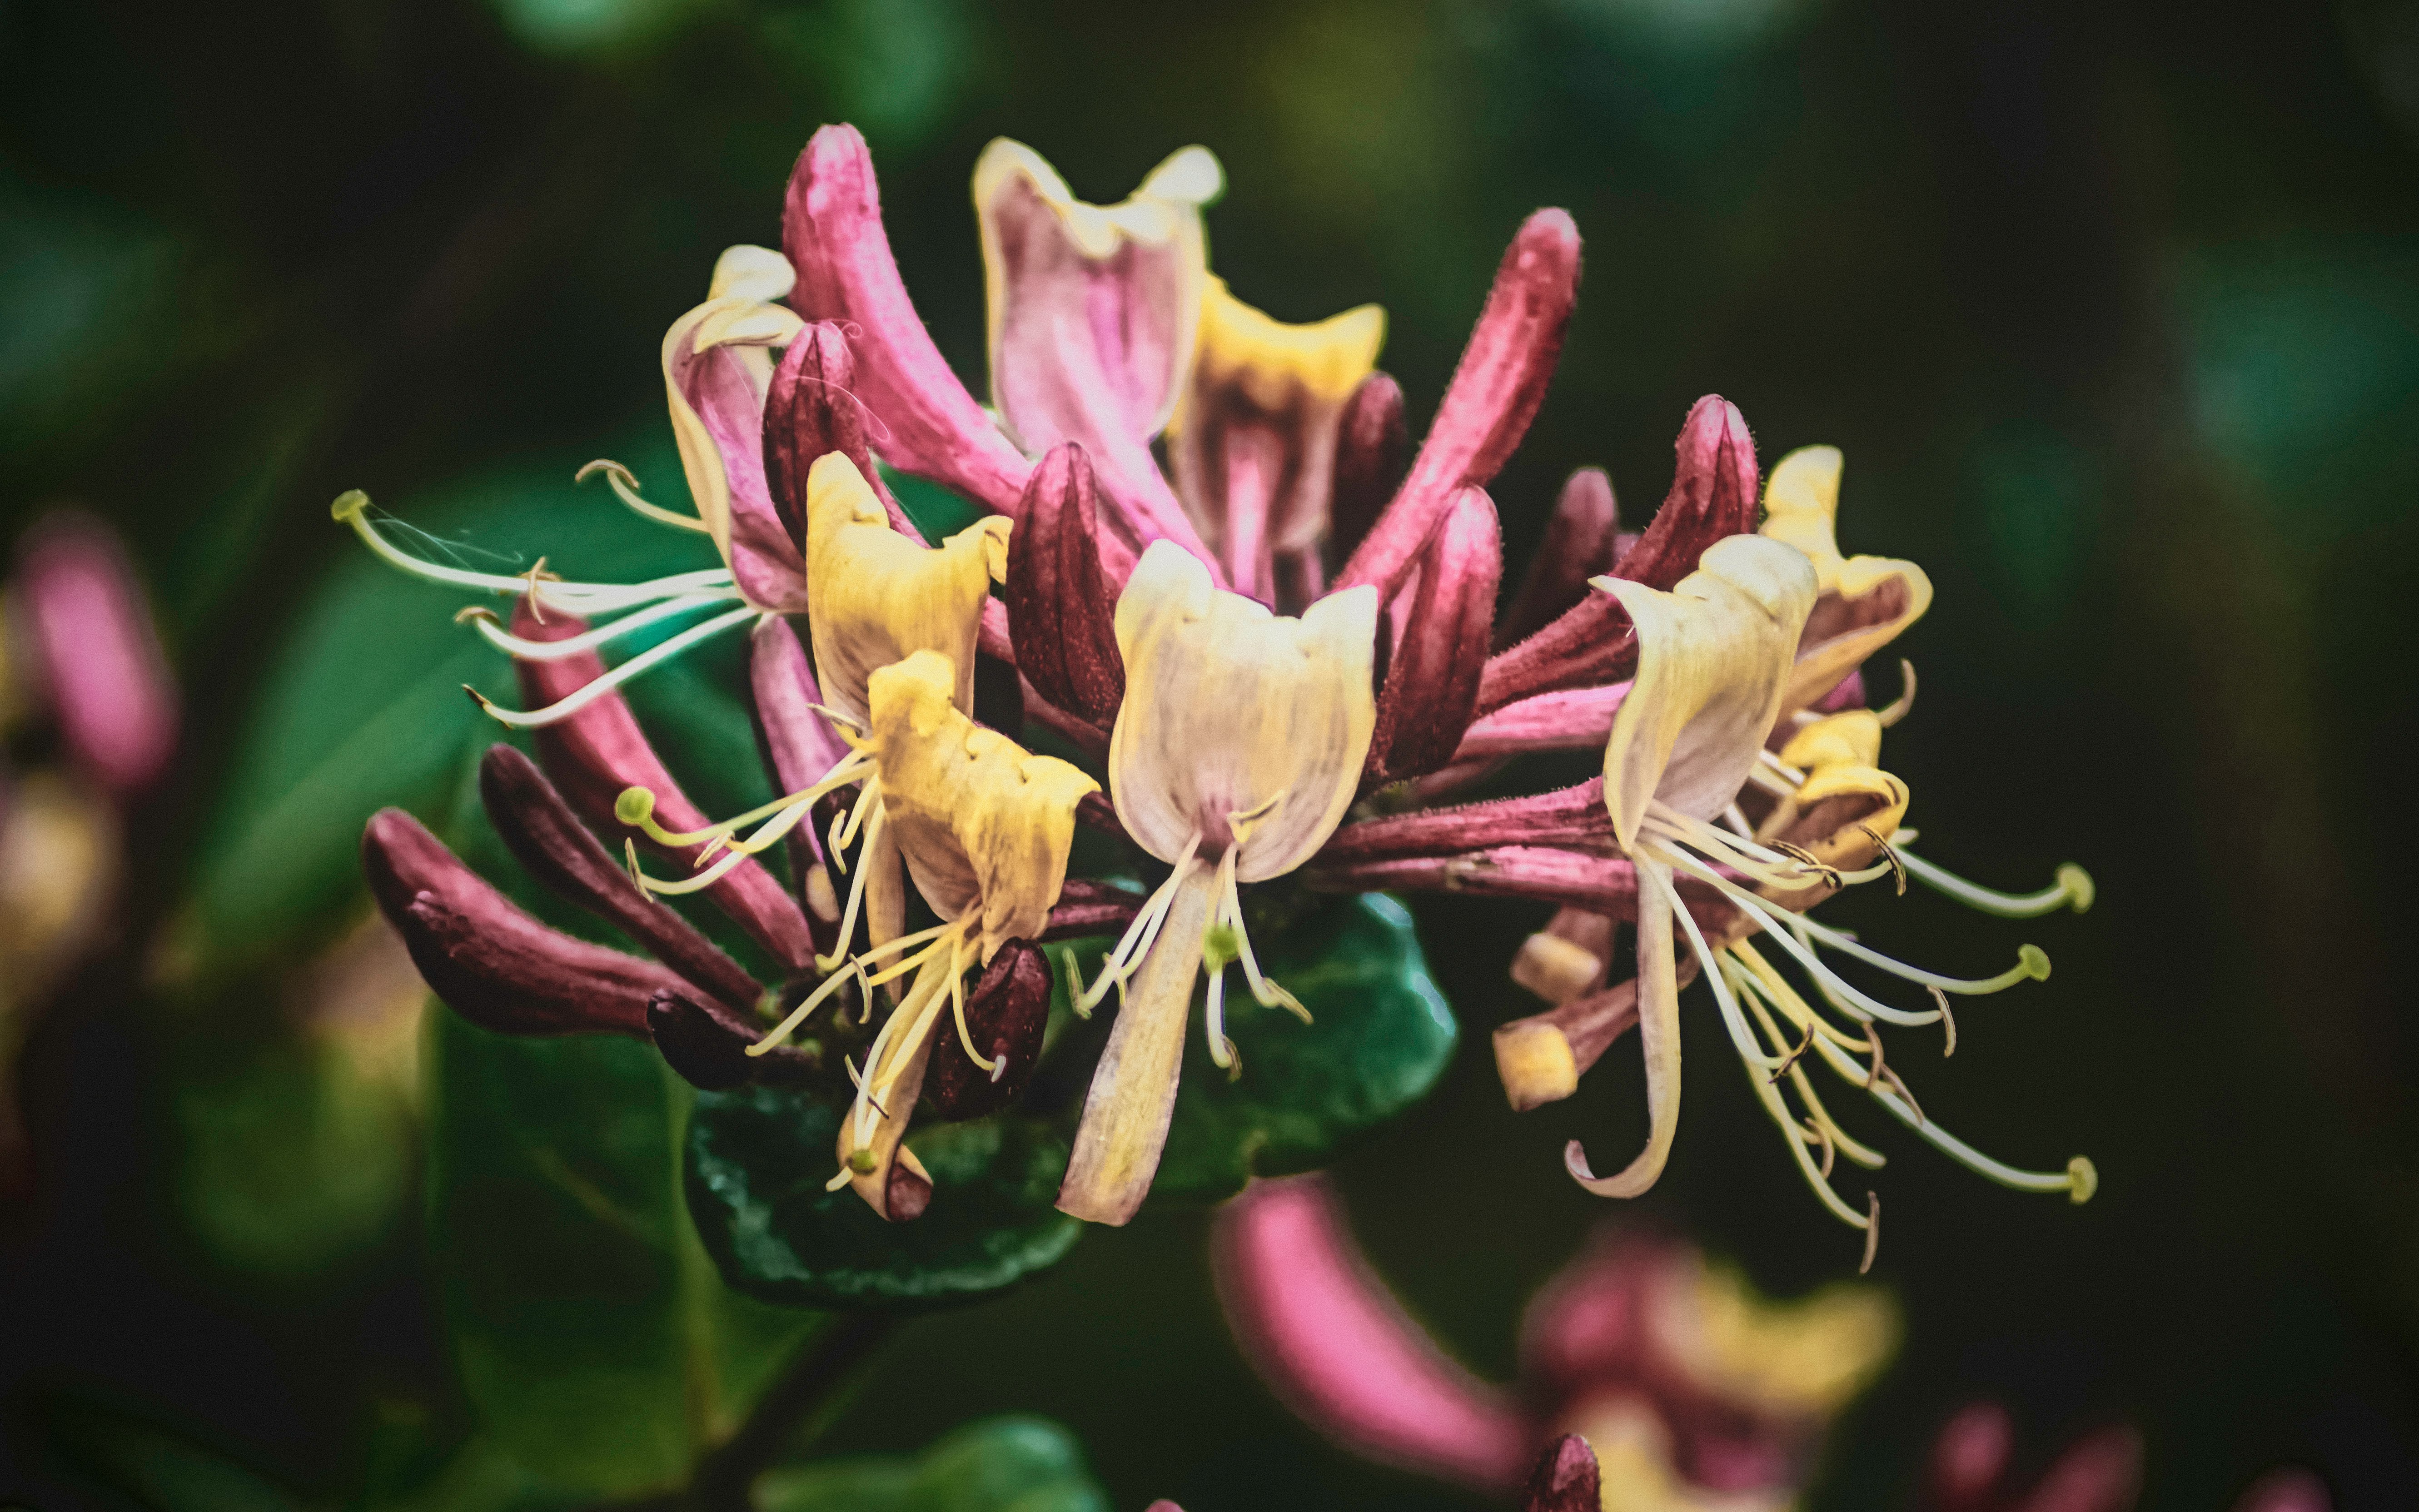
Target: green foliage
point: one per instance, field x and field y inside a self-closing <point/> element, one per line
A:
<point x="758" y="1161"/>
<point x="155" y="1468"/>
<point x="591" y="1332"/>
<point x="1380" y="1037"/>
<point x="1007" y="1464"/>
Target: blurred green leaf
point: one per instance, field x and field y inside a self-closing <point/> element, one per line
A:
<point x="758" y="1161"/>
<point x="155" y="1468"/>
<point x="1380" y="1035"/>
<point x="1007" y="1464"/>
<point x="590" y="1330"/>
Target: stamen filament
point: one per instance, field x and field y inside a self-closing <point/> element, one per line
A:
<point x="653" y="657"/>
<point x="1757" y="911"/>
<point x="798" y="1015"/>
<point x="525" y="650"/>
<point x="625" y="487"/>
<point x="2031" y="964"/>
<point x="576" y="598"/>
<point x="2073" y="886"/>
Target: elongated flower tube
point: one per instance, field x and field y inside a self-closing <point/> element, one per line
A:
<point x="878" y="597"/>
<point x="1062" y="596"/>
<point x="1583" y="540"/>
<point x="1432" y="678"/>
<point x="811" y="410"/>
<point x="1495" y="392"/>
<point x="1237" y="751"/>
<point x="1094" y="312"/>
<point x="1253" y="444"/>
<point x="1863" y="603"/>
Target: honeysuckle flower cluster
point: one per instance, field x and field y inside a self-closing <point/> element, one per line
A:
<point x="84" y="682"/>
<point x="1271" y="659"/>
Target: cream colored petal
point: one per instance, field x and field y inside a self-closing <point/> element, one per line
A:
<point x="875" y="597"/>
<point x="982" y="822"/>
<point x="1230" y="709"/>
<point x="1864" y="602"/>
<point x="1714" y="655"/>
<point x="752" y="272"/>
<point x="737" y="324"/>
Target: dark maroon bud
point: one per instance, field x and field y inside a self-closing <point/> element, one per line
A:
<point x="908" y="1195"/>
<point x="492" y="962"/>
<point x="1061" y="603"/>
<point x="1565" y="1479"/>
<point x="540" y="830"/>
<point x="596" y="753"/>
<point x="1713" y="495"/>
<point x="1006" y="1013"/>
<point x="1431" y="680"/>
<point x="1371" y="446"/>
<point x="812" y="410"/>
<point x="707" y="1044"/>
<point x="1582" y="542"/>
<point x="1087" y="907"/>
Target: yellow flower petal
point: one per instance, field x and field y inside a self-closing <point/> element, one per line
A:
<point x="1232" y="710"/>
<point x="1865" y="601"/>
<point x="984" y="824"/>
<point x="1714" y="655"/>
<point x="874" y="597"/>
<point x="1846" y="800"/>
<point x="1810" y="1357"/>
<point x="1272" y="362"/>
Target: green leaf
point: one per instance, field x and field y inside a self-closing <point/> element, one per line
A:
<point x="937" y="512"/>
<point x="591" y="1332"/>
<point x="758" y="1161"/>
<point x="1007" y="1464"/>
<point x="156" y="1468"/>
<point x="1380" y="1035"/>
<point x="363" y="706"/>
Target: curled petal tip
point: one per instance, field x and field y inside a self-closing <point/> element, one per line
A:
<point x="2082" y="1181"/>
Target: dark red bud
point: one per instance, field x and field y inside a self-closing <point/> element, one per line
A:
<point x="490" y="961"/>
<point x="1713" y="495"/>
<point x="1006" y="1013"/>
<point x="1061" y="601"/>
<point x="1582" y="542"/>
<point x="1431" y="686"/>
<point x="543" y="833"/>
<point x="1370" y="449"/>
<point x="707" y="1044"/>
<point x="1565" y="1479"/>
<point x="812" y="409"/>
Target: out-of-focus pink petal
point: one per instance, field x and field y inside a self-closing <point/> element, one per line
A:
<point x="929" y="425"/>
<point x="1494" y="394"/>
<point x="2289" y="1490"/>
<point x="492" y="962"/>
<point x="2102" y="1474"/>
<point x="98" y="657"/>
<point x="1968" y="1458"/>
<point x="600" y="750"/>
<point x="1336" y="1347"/>
<point x="1432" y="679"/>
<point x="1582" y="539"/>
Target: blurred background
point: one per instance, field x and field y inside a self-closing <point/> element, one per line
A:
<point x="2114" y="309"/>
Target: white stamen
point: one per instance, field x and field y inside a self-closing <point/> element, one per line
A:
<point x="645" y="660"/>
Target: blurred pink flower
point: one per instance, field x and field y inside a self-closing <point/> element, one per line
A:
<point x="91" y="652"/>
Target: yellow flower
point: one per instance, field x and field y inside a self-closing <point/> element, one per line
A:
<point x="1864" y="602"/>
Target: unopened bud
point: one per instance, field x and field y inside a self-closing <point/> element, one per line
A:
<point x="1006" y="1015"/>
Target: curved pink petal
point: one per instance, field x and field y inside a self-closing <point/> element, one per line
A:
<point x="1494" y="394"/>
<point x="929" y="425"/>
<point x="600" y="750"/>
<point x="718" y="385"/>
<point x="99" y="659"/>
<point x="1335" y="1347"/>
